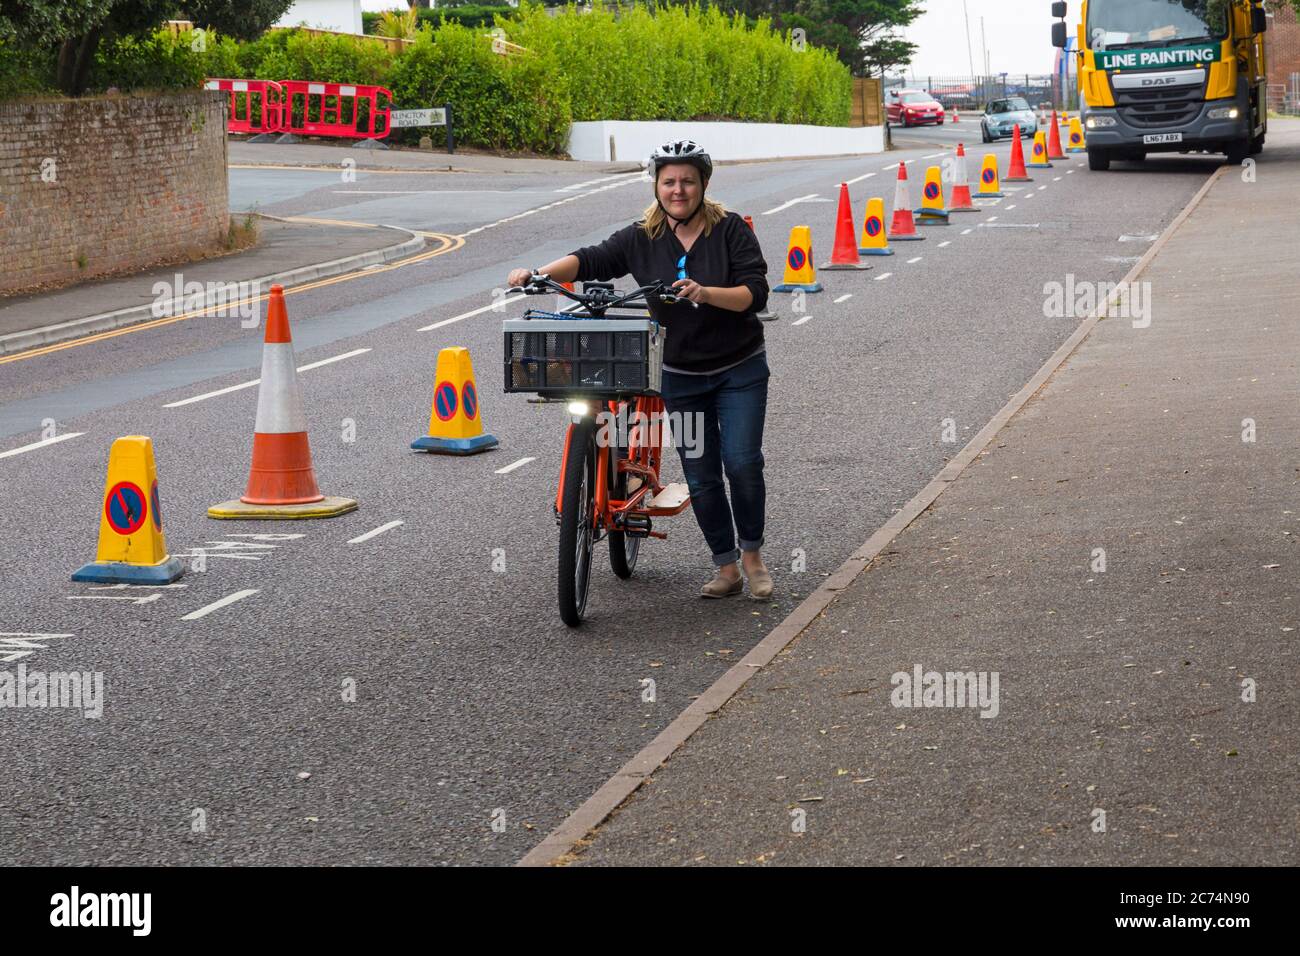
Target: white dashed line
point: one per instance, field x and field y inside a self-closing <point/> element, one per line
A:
<point x="946" y="242"/>
<point x="991" y="219"/>
<point x="1011" y="207"/>
<point x="883" y="275"/>
<point x="513" y="465"/>
<point x="934" y="155"/>
<point x="787" y="205"/>
<point x="257" y="381"/>
<point x="847" y="295"/>
<point x="888" y="168"/>
<point x="966" y="232"/>
<point x="916" y="259"/>
<point x="1069" y="172"/>
<point x="499" y="306"/>
<point x="859" y="179"/>
<point x="1041" y="188"/>
<point x="39" y="444"/>
<point x="1056" y="179"/>
<point x="801" y="321"/>
<point x="376" y="532"/>
<point x="218" y="605"/>
<point x="627" y="178"/>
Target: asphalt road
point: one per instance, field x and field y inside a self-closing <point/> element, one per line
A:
<point x="471" y="696"/>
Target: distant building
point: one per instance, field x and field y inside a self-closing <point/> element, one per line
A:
<point x="1282" y="41"/>
<point x="341" y="15"/>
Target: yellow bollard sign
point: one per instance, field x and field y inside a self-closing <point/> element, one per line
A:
<point x="874" y="241"/>
<point x="990" y="181"/>
<point x="132" y="548"/>
<point x="1077" y="143"/>
<point x="1038" y="155"/>
<point x="799" y="271"/>
<point x="455" y="424"/>
<point x="932" y="211"/>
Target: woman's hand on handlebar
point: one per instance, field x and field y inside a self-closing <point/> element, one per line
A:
<point x="691" y="290"/>
<point x="518" y="278"/>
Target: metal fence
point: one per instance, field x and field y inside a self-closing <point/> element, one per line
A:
<point x="1284" y="98"/>
<point x="973" y="92"/>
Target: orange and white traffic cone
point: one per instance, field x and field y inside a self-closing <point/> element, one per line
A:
<point x="961" y="201"/>
<point x="1054" y="150"/>
<point x="845" y="253"/>
<point x="1017" y="173"/>
<point x="903" y="227"/>
<point x="281" y="481"/>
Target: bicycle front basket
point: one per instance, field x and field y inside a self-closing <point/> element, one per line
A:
<point x="563" y="357"/>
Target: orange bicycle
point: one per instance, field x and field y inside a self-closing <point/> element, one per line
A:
<point x="607" y="369"/>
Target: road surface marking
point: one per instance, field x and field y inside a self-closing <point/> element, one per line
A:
<point x="801" y="321"/>
<point x="513" y="465"/>
<point x="787" y="205"/>
<point x="218" y="605"/>
<point x="946" y="242"/>
<point x="935" y="155"/>
<point x="376" y="532"/>
<point x="1041" y="188"/>
<point x="596" y="182"/>
<point x="859" y="179"/>
<point x="40" y="444"/>
<point x="991" y="219"/>
<point x="1138" y="238"/>
<point x="847" y="295"/>
<point x="108" y="597"/>
<point x="15" y="645"/>
<point x="500" y="305"/>
<point x="1009" y="225"/>
<point x="257" y="381"/>
<point x="888" y="168"/>
<point x="1056" y="179"/>
<point x="917" y="259"/>
<point x="883" y="275"/>
<point x="433" y="192"/>
<point x="965" y="232"/>
<point x="1011" y="207"/>
<point x="630" y="178"/>
<point x="1030" y="196"/>
<point x="1069" y="172"/>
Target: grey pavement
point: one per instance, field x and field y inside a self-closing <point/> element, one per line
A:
<point x="396" y="158"/>
<point x="1123" y="684"/>
<point x="281" y="247"/>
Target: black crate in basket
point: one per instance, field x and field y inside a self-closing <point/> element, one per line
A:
<point x="583" y="356"/>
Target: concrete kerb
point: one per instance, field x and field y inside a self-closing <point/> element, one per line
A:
<point x="75" y="328"/>
<point x="576" y="828"/>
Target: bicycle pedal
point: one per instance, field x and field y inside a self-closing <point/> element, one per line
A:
<point x="672" y="496"/>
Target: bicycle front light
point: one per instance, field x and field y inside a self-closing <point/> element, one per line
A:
<point x="579" y="409"/>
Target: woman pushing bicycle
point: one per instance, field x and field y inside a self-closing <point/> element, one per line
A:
<point x="715" y="365"/>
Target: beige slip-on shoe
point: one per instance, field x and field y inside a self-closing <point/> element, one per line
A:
<point x="760" y="585"/>
<point x="720" y="587"/>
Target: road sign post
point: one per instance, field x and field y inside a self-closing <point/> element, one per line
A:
<point x="435" y="116"/>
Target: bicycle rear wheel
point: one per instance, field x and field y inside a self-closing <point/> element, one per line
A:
<point x="623" y="547"/>
<point x="577" y="523"/>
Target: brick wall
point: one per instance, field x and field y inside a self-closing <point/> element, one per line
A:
<point x="107" y="184"/>
<point x="1282" y="44"/>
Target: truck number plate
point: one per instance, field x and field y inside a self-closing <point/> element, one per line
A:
<point x="1163" y="138"/>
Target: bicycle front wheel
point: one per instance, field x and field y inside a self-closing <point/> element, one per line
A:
<point x="577" y="523"/>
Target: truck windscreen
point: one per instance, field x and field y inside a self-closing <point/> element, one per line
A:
<point x="1121" y="24"/>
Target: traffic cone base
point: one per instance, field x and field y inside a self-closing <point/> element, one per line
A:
<point x="933" y="211"/>
<point x="132" y="548"/>
<point x="907" y="238"/>
<point x="327" y="507"/>
<point x="932" y="217"/>
<point x="876" y="252"/>
<point x="455" y="423"/>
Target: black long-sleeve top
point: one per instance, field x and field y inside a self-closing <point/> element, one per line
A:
<point x="701" y="339"/>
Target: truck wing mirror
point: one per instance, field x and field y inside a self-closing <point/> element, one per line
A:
<point x="1258" y="19"/>
<point x="1058" y="35"/>
<point x="1058" y="10"/>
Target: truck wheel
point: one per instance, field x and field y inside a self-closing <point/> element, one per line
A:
<point x="1238" y="151"/>
<point x="1257" y="145"/>
<point x="1098" y="159"/>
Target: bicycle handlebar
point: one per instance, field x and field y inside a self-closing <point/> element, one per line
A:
<point x="599" y="300"/>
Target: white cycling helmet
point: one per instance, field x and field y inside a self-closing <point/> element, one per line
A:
<point x="681" y="151"/>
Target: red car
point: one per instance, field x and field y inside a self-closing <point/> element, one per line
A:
<point x="913" y="107"/>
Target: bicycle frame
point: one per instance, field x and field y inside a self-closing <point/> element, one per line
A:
<point x="644" y="458"/>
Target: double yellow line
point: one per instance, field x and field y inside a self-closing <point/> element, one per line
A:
<point x="446" y="244"/>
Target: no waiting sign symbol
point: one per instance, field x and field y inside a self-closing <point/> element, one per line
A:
<point x="124" y="506"/>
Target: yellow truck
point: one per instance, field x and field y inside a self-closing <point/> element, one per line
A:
<point x="1158" y="76"/>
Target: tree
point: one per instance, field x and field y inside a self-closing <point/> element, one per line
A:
<point x="75" y="27"/>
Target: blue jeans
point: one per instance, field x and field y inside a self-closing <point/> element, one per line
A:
<point x="727" y="410"/>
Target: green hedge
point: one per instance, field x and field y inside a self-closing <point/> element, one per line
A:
<point x="467" y="14"/>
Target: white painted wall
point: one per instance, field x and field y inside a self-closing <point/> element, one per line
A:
<point x="636" y="140"/>
<point x="341" y="15"/>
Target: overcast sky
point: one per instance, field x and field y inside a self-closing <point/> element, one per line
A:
<point x="1018" y="34"/>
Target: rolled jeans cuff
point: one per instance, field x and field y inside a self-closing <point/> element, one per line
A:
<point x="727" y="557"/>
<point x="751" y="545"/>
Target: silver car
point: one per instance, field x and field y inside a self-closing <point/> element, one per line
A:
<point x="1001" y="116"/>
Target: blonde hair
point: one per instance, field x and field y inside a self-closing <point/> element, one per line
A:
<point x="712" y="211"/>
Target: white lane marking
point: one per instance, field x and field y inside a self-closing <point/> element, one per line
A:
<point x="1069" y="172"/>
<point x="946" y="242"/>
<point x="500" y="305"/>
<point x="847" y="295"/>
<point x="892" y="166"/>
<point x="916" y="259"/>
<point x="859" y="179"/>
<point x="1138" y="238"/>
<point x="434" y="192"/>
<point x="965" y="232"/>
<point x="883" y="276"/>
<point x="934" y="155"/>
<point x="257" y="381"/>
<point x="1041" y="188"/>
<point x="1123" y="260"/>
<point x="218" y="605"/>
<point x="1056" y="179"/>
<point x="1011" y="207"/>
<point x="991" y="219"/>
<point x="801" y="321"/>
<point x="376" y="532"/>
<point x="1009" y="225"/>
<point x="787" y="205"/>
<point x="107" y="597"/>
<point x="40" y="444"/>
<point x="513" y="465"/>
<point x="1030" y="195"/>
<point x="634" y="177"/>
<point x="596" y="182"/>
